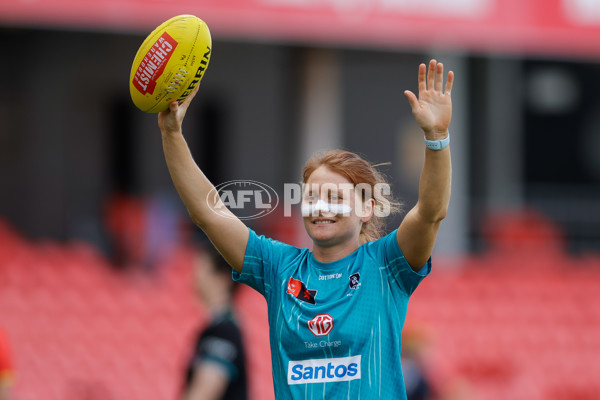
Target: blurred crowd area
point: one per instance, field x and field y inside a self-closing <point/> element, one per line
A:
<point x="519" y="320"/>
<point x="524" y="130"/>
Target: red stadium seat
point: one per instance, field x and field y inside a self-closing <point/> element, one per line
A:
<point x="505" y="327"/>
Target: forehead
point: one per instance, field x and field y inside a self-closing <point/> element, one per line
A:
<point x="324" y="175"/>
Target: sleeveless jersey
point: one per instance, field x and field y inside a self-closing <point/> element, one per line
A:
<point x="334" y="327"/>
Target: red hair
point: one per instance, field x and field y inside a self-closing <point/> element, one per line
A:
<point x="357" y="170"/>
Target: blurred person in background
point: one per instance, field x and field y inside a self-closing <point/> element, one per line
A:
<point x="217" y="367"/>
<point x="416" y="377"/>
<point x="6" y="366"/>
<point x="331" y="307"/>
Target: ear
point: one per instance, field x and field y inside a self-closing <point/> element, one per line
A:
<point x="367" y="210"/>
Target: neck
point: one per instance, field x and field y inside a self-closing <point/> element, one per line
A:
<point x="330" y="254"/>
<point x="218" y="305"/>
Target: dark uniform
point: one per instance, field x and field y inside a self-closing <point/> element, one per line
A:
<point x="221" y="343"/>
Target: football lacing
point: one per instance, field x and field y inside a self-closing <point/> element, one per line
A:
<point x="174" y="85"/>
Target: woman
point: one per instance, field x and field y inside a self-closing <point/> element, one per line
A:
<point x="336" y="313"/>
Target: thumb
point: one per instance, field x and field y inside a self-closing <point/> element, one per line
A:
<point x="412" y="99"/>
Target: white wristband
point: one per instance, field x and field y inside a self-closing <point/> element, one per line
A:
<point x="437" y="144"/>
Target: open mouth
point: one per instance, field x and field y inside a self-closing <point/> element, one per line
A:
<point x="323" y="221"/>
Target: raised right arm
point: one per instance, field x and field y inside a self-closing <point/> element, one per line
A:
<point x="227" y="233"/>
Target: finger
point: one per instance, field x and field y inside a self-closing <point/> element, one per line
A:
<point x="449" y="82"/>
<point x="422" y="84"/>
<point x="192" y="95"/>
<point x="186" y="102"/>
<point x="174" y="106"/>
<point x="412" y="99"/>
<point x="439" y="77"/>
<point x="431" y="75"/>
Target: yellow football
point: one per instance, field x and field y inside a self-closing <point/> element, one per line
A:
<point x="170" y="63"/>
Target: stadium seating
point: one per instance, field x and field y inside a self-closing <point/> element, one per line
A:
<point x="499" y="325"/>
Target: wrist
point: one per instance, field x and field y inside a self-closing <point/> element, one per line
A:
<point x="437" y="144"/>
<point x="436" y="135"/>
<point x="167" y="132"/>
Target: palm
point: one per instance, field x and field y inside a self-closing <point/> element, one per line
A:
<point x="433" y="112"/>
<point x="433" y="108"/>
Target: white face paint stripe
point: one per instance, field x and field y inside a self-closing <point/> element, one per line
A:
<point x="333" y="208"/>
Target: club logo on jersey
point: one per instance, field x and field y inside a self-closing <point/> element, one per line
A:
<point x="297" y="289"/>
<point x="321" y="325"/>
<point x="354" y="281"/>
<point x="324" y="370"/>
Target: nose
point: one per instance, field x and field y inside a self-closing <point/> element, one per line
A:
<point x="322" y="206"/>
<point x="314" y="209"/>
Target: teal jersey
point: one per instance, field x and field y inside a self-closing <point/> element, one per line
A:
<point x="334" y="327"/>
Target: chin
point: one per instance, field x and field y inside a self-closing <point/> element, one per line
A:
<point x="328" y="235"/>
<point x="325" y="239"/>
<point x="321" y="238"/>
<point x="319" y="231"/>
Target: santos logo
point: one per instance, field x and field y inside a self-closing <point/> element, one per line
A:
<point x="324" y="370"/>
